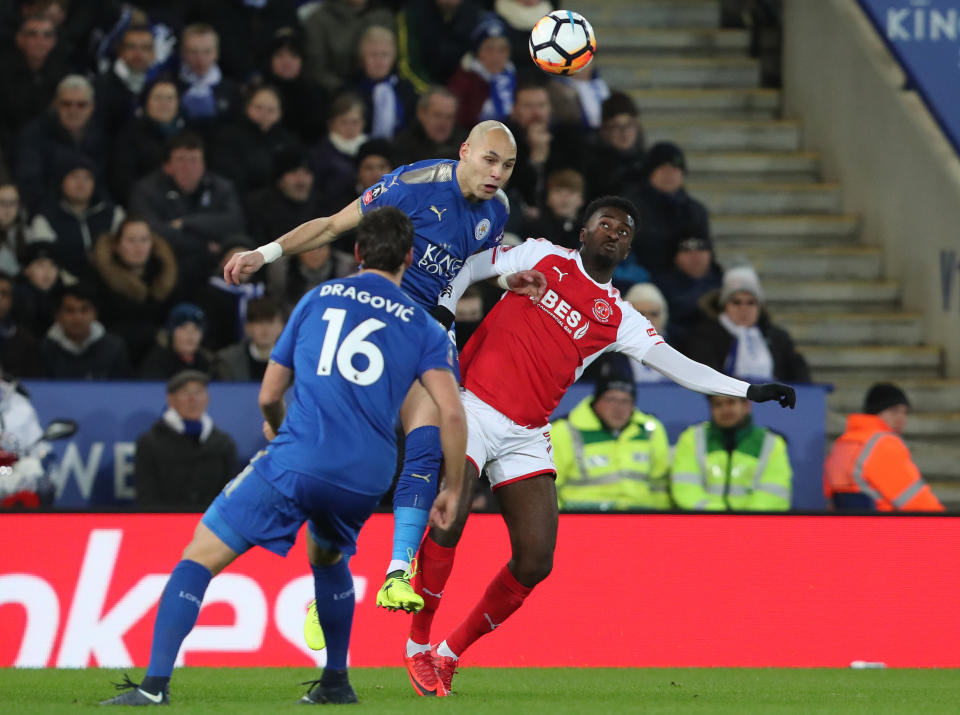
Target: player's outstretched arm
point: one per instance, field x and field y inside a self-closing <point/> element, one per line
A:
<point x="307" y="236"/>
<point x="453" y="438"/>
<point x="276" y="380"/>
<point x="701" y="378"/>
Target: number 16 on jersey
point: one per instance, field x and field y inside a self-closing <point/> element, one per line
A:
<point x="353" y="344"/>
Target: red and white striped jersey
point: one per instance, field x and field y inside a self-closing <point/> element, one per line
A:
<point x="524" y="355"/>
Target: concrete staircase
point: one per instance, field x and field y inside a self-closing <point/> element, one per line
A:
<point x="696" y="85"/>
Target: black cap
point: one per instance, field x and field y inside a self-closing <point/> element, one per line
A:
<point x="186" y="313"/>
<point x="289" y="159"/>
<point x="882" y="396"/>
<point x="286" y="38"/>
<point x="615" y="381"/>
<point x="376" y="147"/>
<point x="37" y="250"/>
<point x="185" y="376"/>
<point x="663" y="153"/>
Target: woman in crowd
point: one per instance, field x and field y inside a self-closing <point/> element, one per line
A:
<point x="334" y="157"/>
<point x="179" y="347"/>
<point x="13" y="228"/>
<point x="137" y="274"/>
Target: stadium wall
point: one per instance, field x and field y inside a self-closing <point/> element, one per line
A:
<point x="879" y="140"/>
<point x="80" y="590"/>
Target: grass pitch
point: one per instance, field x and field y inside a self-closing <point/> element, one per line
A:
<point x="532" y="690"/>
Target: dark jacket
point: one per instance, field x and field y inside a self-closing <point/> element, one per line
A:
<point x="244" y="153"/>
<point x="335" y="172"/>
<point x="710" y="343"/>
<point x="304" y="103"/>
<point x="607" y="169"/>
<point x="173" y="470"/>
<point x="561" y="231"/>
<point x="74" y="235"/>
<point x="25" y="94"/>
<point x="102" y="357"/>
<point x="683" y="295"/>
<point x="19" y="351"/>
<point x="432" y="41"/>
<point x="228" y="100"/>
<point x="162" y="363"/>
<point x="663" y="219"/>
<point x="412" y="144"/>
<point x="567" y="151"/>
<point x="143" y="141"/>
<point x="270" y="214"/>
<point x="44" y="146"/>
<point x="115" y="102"/>
<point x="211" y="213"/>
<point x="236" y="363"/>
<point x="33" y="308"/>
<point x="133" y="306"/>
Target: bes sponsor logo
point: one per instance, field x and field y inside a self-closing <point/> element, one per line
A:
<point x="602" y="310"/>
<point x="437" y="262"/>
<point x="570" y="320"/>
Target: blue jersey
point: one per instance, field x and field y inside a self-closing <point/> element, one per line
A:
<point x="355" y="345"/>
<point x="448" y="228"/>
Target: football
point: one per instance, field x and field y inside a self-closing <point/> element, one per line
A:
<point x="562" y="42"/>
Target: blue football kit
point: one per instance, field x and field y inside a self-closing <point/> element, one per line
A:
<point x="448" y="230"/>
<point x="355" y="346"/>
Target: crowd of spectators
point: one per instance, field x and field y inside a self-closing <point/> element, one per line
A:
<point x="142" y="144"/>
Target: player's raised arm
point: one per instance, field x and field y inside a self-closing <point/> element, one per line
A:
<point x="442" y="387"/>
<point x="309" y="235"/>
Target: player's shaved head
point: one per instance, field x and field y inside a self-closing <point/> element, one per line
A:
<point x="479" y="133"/>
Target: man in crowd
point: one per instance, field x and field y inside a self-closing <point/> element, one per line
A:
<point x="183" y="460"/>
<point x="434" y="134"/>
<point x="869" y="467"/>
<point x="344" y="409"/>
<point x="730" y="463"/>
<point x="247" y="360"/>
<point x="118" y="90"/>
<point x="608" y="454"/>
<point x="207" y="97"/>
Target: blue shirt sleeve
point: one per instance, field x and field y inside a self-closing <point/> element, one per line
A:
<point x="389" y="191"/>
<point x="283" y="351"/>
<point x="438" y="351"/>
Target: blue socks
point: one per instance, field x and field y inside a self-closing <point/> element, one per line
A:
<point x="176" y="616"/>
<point x="333" y="587"/>
<point x="416" y="490"/>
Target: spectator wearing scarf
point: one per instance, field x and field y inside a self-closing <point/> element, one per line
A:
<point x="206" y="95"/>
<point x="389" y="99"/>
<point x="485" y="83"/>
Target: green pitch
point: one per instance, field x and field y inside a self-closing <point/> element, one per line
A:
<point x="533" y="690"/>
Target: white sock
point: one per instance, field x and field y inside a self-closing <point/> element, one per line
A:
<point x="414" y="648"/>
<point x="398" y="565"/>
<point x="444" y="650"/>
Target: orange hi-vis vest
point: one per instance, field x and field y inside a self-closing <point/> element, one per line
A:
<point x="870" y="459"/>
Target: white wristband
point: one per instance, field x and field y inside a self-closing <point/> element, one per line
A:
<point x="502" y="281"/>
<point x="270" y="251"/>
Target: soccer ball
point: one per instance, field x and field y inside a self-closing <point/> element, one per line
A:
<point x="562" y="42"/>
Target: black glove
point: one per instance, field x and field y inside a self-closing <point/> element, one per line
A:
<point x="784" y="394"/>
<point x="442" y="315"/>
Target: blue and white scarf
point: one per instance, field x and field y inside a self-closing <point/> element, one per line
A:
<point x="245" y="292"/>
<point x="502" y="85"/>
<point x="198" y="101"/>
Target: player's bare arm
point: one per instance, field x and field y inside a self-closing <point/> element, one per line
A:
<point x="276" y="380"/>
<point x="442" y="387"/>
<point x="305" y="237"/>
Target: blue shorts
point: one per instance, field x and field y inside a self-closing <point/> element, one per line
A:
<point x="251" y="511"/>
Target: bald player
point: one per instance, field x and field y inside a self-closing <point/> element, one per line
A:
<point x="457" y="208"/>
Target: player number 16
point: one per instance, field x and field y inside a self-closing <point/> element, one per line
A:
<point x="353" y="344"/>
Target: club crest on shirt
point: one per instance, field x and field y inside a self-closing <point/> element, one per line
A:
<point x="482" y="229"/>
<point x="602" y="310"/>
<point x="372" y="193"/>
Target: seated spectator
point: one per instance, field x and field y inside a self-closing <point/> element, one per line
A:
<point x="18" y="346"/>
<point x="666" y="210"/>
<point x="432" y="35"/>
<point x="647" y="299"/>
<point x="303" y="99"/>
<point x="542" y="145"/>
<point x="609" y="455"/>
<point x="520" y="16"/>
<point x="730" y="464"/>
<point x="117" y="90"/>
<point x="244" y="151"/>
<point x="37" y="290"/>
<point x="192" y="208"/>
<point x="869" y="468"/>
<point x="183" y="460"/>
<point x="72" y="220"/>
<point x="334" y="158"/>
<point x="179" y="347"/>
<point x="206" y="96"/>
<point x="485" y="82"/>
<point x="137" y="274"/>
<point x="558" y="218"/>
<point x="695" y="273"/>
<point x="47" y="142"/>
<point x="434" y="134"/>
<point x="289" y="201"/>
<point x="616" y="157"/>
<point x="14" y="232"/>
<point x="225" y="304"/>
<point x="247" y="360"/>
<point x="333" y="32"/>
<point x="144" y="138"/>
<point x="579" y="98"/>
<point x="77" y="346"/>
<point x="289" y="278"/>
<point x="737" y="336"/>
<point x="389" y="99"/>
<point x="31" y="71"/>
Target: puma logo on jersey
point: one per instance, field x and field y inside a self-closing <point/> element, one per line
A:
<point x="438" y="212"/>
<point x="431" y="593"/>
<point x="493" y="626"/>
<point x="560" y="274"/>
<point x="424" y="477"/>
